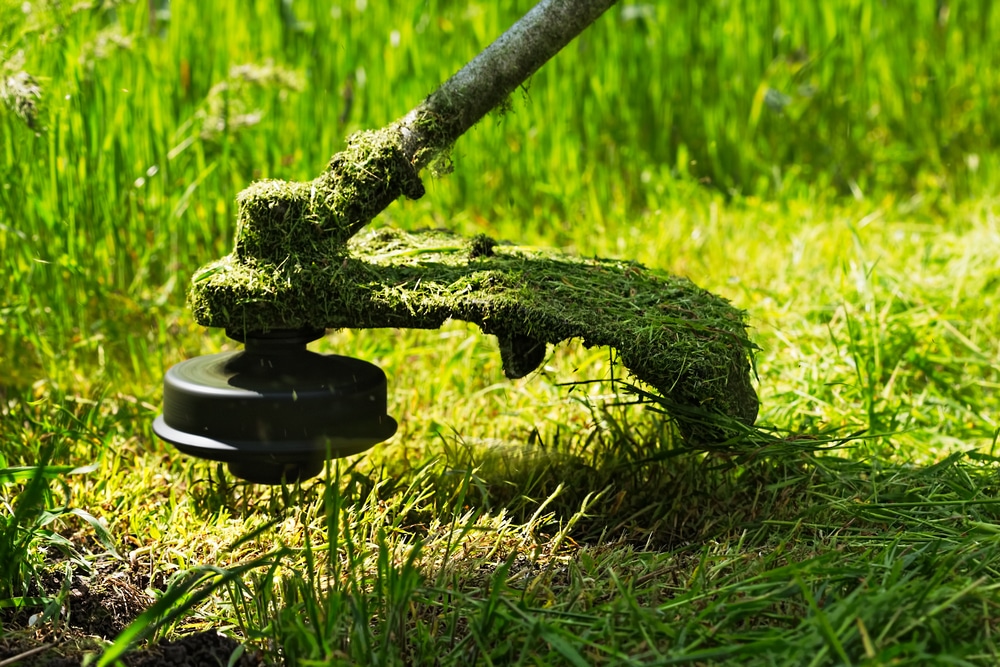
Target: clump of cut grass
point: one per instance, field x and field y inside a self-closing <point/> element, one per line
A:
<point x="283" y="221"/>
<point x="689" y="344"/>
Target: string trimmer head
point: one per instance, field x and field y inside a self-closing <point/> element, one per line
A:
<point x="275" y="412"/>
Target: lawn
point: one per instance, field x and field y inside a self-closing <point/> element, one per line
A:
<point x="832" y="170"/>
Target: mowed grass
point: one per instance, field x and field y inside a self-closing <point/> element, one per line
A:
<point x="830" y="169"/>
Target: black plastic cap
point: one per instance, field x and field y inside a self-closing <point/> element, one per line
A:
<point x="274" y="412"/>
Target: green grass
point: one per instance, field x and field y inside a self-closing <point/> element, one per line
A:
<point x="830" y="169"/>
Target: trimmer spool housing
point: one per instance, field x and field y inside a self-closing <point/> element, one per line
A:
<point x="275" y="412"/>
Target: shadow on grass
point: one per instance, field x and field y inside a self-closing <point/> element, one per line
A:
<point x="786" y="552"/>
<point x="642" y="485"/>
<point x="622" y="546"/>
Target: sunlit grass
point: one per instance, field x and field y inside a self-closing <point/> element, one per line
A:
<point x="829" y="168"/>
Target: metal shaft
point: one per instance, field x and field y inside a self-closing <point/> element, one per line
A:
<point x="486" y="81"/>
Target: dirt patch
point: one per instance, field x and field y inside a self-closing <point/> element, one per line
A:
<point x="97" y="606"/>
<point x="202" y="649"/>
<point x="103" y="604"/>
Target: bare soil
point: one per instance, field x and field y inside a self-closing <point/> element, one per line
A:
<point x="98" y="607"/>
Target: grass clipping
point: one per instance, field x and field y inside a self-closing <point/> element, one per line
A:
<point x="297" y="264"/>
